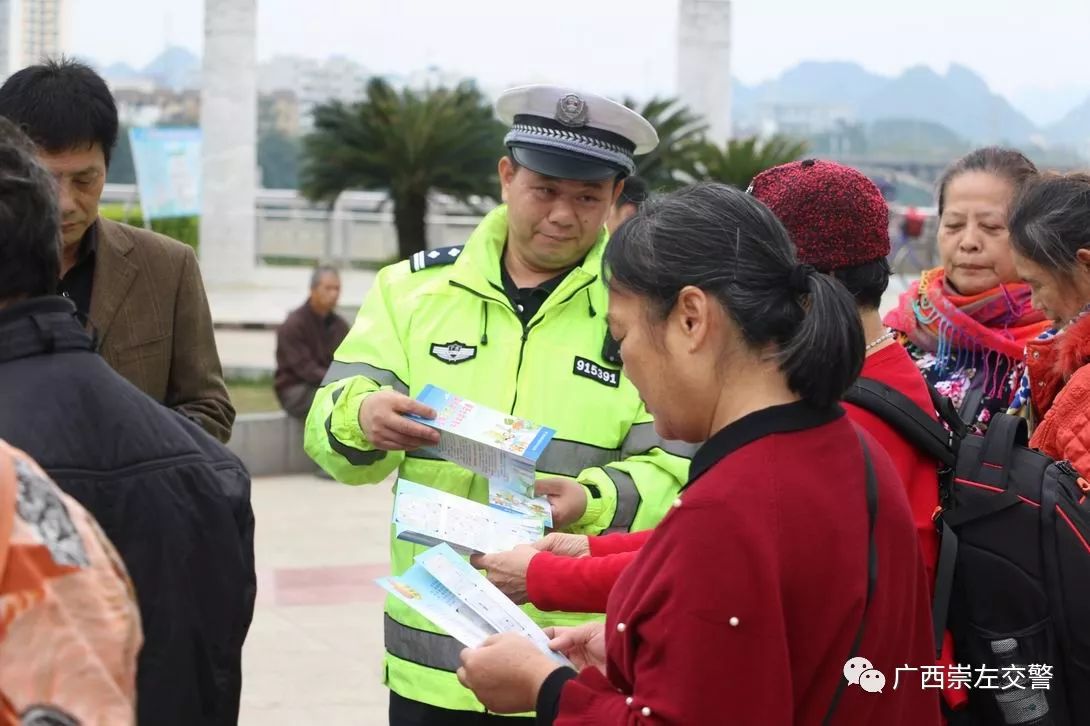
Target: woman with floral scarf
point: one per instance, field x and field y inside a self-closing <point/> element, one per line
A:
<point x="967" y="323"/>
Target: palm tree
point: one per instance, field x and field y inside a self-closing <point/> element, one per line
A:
<point x="740" y="160"/>
<point x="681" y="135"/>
<point x="409" y="143"/>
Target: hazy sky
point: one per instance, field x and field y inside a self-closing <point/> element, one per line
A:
<point x="627" y="45"/>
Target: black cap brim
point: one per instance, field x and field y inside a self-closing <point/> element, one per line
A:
<point x="562" y="165"/>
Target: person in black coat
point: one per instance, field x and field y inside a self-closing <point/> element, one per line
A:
<point x="173" y="500"/>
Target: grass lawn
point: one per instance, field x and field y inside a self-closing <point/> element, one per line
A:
<point x="253" y="396"/>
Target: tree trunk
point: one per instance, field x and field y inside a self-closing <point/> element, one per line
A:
<point x="410" y="208"/>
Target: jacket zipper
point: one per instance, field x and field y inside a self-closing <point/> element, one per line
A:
<point x="525" y="328"/>
<point x="471" y="291"/>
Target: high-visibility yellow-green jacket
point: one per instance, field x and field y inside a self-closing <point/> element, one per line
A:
<point x="443" y="318"/>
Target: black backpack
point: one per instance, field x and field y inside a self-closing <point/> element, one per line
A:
<point x="1012" y="583"/>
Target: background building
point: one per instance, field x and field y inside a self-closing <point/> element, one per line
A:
<point x="30" y="30"/>
<point x="703" y="63"/>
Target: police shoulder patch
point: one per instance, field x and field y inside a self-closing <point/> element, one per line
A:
<point x="433" y="258"/>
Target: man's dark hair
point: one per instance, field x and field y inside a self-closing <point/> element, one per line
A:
<point x="30" y="239"/>
<point x="635" y="192"/>
<point x="61" y="105"/>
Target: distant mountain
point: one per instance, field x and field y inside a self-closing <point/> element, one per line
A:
<point x="1046" y="106"/>
<point x="823" y="82"/>
<point x="120" y="71"/>
<point x="959" y="100"/>
<point x="1074" y="128"/>
<point x="176" y="68"/>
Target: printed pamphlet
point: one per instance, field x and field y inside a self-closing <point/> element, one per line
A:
<point x="446" y="590"/>
<point x="429" y="516"/>
<point x="491" y="443"/>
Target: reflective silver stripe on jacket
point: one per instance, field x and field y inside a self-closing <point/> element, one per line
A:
<point x="433" y="650"/>
<point x="354" y="456"/>
<point x="568" y="458"/>
<point x="339" y="371"/>
<point x="628" y="501"/>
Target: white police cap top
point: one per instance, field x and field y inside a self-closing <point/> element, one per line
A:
<point x="572" y="134"/>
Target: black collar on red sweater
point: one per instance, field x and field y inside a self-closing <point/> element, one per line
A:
<point x="773" y="420"/>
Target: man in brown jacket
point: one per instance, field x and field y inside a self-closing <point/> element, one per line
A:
<point x="306" y="341"/>
<point x="141" y="292"/>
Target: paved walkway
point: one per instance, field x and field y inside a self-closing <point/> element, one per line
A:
<point x="314" y="650"/>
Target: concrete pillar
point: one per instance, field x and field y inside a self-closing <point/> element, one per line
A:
<point x="703" y="63"/>
<point x="229" y="141"/>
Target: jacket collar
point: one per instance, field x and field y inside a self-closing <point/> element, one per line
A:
<point x="114" y="274"/>
<point x="40" y="326"/>
<point x="1051" y="362"/>
<point x="478" y="266"/>
<point x="781" y="419"/>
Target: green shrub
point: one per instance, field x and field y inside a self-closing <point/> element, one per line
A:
<point x="183" y="229"/>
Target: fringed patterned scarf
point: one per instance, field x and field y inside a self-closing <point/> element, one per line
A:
<point x="989" y="329"/>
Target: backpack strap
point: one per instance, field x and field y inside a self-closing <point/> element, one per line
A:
<point x="904" y="415"/>
<point x="948" y="413"/>
<point x="1053" y="573"/>
<point x="1004" y="434"/>
<point x="938" y="442"/>
<point x="872" y="569"/>
<point x="944" y="582"/>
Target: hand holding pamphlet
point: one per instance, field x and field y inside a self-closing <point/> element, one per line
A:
<point x="446" y="590"/>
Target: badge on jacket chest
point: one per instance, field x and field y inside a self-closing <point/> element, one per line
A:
<point x="453" y="352"/>
<point x="593" y="371"/>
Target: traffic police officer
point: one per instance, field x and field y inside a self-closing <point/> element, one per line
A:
<point x="513" y="320"/>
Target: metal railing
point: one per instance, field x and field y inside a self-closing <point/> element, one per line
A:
<point x="357" y="228"/>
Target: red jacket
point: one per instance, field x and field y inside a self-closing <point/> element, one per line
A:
<point x="583" y="584"/>
<point x="742" y="606"/>
<point x="1060" y="377"/>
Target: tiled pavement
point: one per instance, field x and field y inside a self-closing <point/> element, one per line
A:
<point x="313" y="654"/>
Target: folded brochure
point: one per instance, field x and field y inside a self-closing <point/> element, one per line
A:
<point x="503" y="495"/>
<point x="491" y="443"/>
<point x="429" y="516"/>
<point x="446" y="590"/>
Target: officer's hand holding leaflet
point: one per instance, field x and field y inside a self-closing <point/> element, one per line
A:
<point x="567" y="497"/>
<point x="383" y="422"/>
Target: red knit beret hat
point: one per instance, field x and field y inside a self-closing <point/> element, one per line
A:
<point x="836" y="215"/>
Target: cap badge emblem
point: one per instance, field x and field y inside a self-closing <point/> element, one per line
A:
<point x="571" y="110"/>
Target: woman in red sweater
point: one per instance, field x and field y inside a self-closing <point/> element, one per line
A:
<point x="839" y="223"/>
<point x="792" y="548"/>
